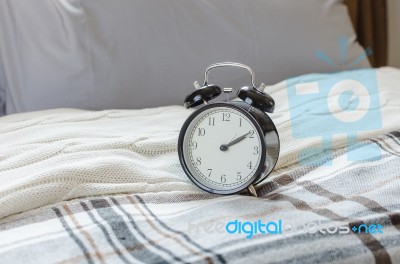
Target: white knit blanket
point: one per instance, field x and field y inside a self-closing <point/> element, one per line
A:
<point x="58" y="155"/>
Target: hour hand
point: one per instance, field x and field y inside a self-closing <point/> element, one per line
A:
<point x="224" y="147"/>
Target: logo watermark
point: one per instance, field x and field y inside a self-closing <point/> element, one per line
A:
<point x="327" y="105"/>
<point x="281" y="227"/>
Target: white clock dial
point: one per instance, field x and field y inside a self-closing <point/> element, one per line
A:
<point x="223" y="149"/>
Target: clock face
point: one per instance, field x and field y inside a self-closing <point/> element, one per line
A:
<point x="222" y="148"/>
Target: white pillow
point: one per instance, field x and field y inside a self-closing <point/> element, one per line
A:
<point x="143" y="53"/>
<point x="2" y="92"/>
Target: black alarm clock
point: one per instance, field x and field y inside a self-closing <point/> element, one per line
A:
<point x="228" y="147"/>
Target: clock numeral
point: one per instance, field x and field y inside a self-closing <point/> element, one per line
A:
<point x="209" y="172"/>
<point x="202" y="132"/>
<point x="211" y="121"/>
<point x="198" y="161"/>
<point x="255" y="150"/>
<point x="223" y="178"/>
<point x="239" y="176"/>
<point x="193" y="145"/>
<point x="251" y="134"/>
<point x="249" y="165"/>
<point x="226" y="117"/>
<point x="240" y="122"/>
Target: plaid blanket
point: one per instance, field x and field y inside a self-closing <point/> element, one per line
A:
<point x="353" y="207"/>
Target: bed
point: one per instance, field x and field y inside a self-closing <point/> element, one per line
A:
<point x="107" y="187"/>
<point x="104" y="184"/>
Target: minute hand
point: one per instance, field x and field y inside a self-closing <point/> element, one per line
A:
<point x="226" y="146"/>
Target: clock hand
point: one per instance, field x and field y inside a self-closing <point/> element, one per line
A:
<point x="232" y="138"/>
<point x="224" y="147"/>
<point x="238" y="139"/>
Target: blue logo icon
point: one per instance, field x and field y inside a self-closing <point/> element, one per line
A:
<point x="327" y="105"/>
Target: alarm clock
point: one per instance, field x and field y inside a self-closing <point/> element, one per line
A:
<point x="228" y="147"/>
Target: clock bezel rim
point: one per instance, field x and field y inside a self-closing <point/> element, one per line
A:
<point x="261" y="167"/>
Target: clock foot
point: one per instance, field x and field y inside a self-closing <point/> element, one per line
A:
<point x="252" y="190"/>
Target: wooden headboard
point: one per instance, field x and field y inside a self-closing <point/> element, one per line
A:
<point x="369" y="18"/>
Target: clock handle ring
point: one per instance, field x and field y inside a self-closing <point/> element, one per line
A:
<point x="232" y="64"/>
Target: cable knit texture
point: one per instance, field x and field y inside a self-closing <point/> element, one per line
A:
<point x="63" y="154"/>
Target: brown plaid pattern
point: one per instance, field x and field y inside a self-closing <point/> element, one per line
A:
<point x="184" y="227"/>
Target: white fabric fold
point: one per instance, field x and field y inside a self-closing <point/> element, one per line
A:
<point x="56" y="155"/>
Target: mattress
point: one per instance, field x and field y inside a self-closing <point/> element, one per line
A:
<point x="106" y="187"/>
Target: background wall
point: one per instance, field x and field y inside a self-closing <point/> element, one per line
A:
<point x="394" y="32"/>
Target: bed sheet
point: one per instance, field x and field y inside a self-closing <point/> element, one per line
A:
<point x="107" y="187"/>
